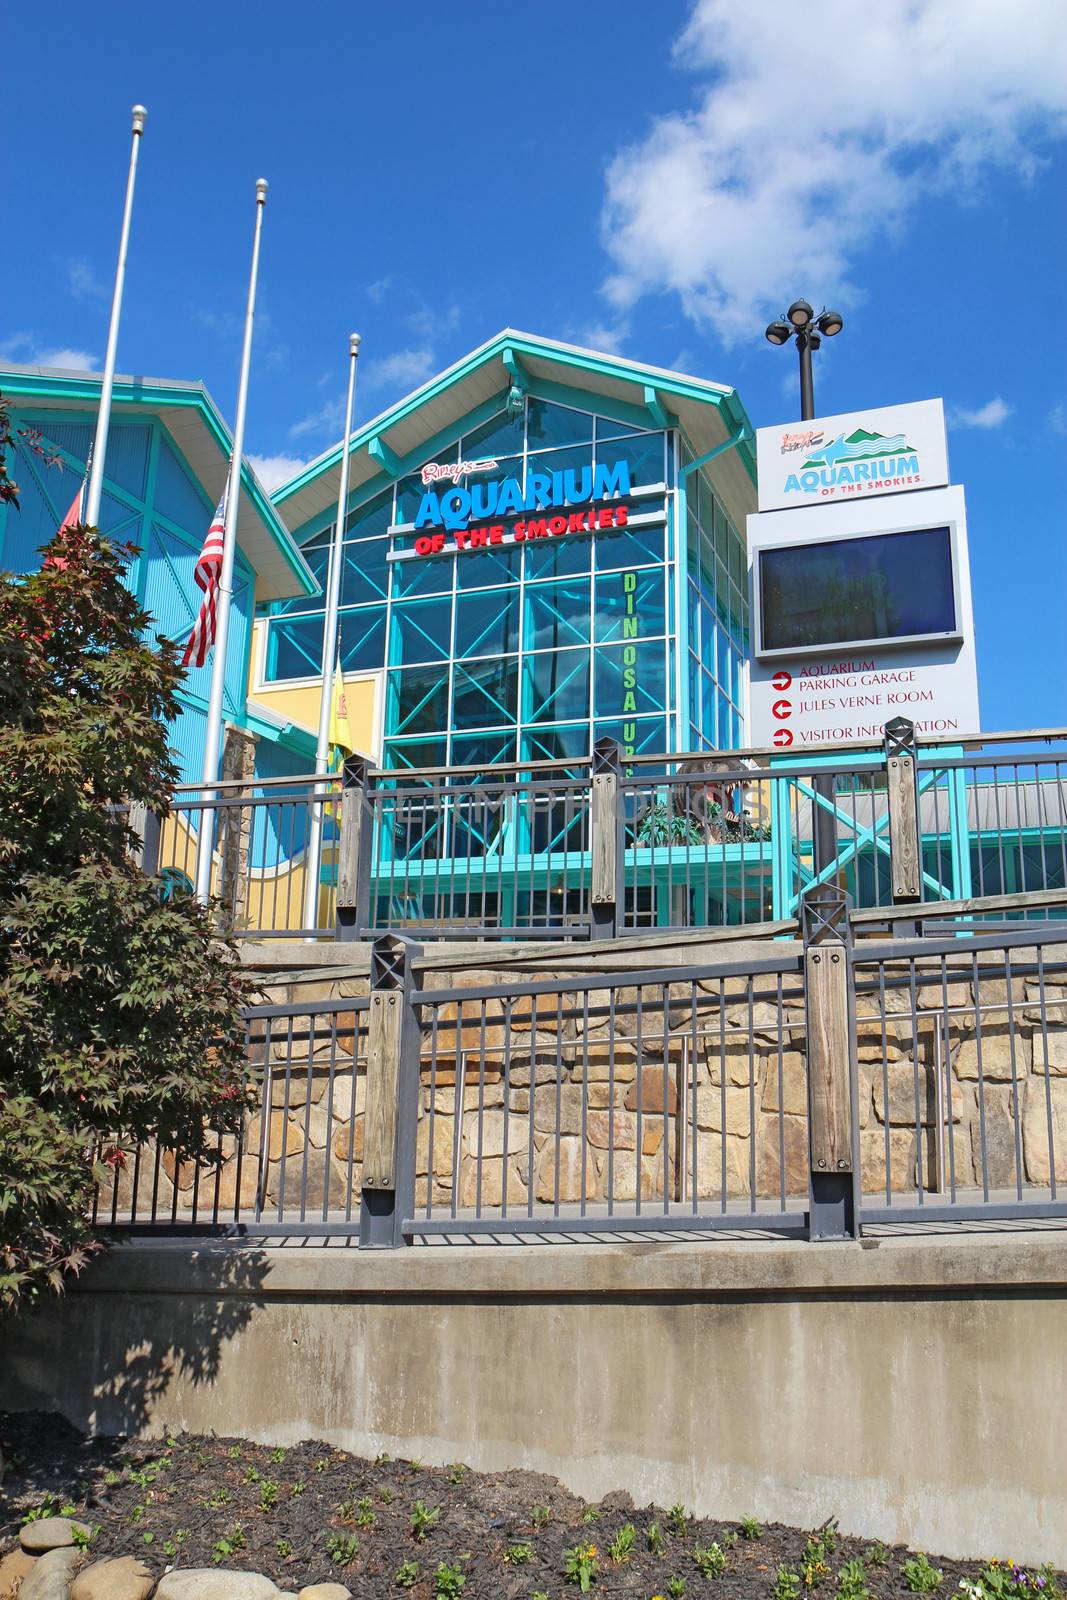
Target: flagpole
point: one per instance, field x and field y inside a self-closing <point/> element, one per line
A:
<point x="107" y="382"/>
<point x="329" y="649"/>
<point x="213" y="739"/>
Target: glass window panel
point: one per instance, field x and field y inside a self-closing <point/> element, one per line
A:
<point x="693" y="610"/>
<point x="557" y="614"/>
<point x="570" y="743"/>
<point x="737" y="560"/>
<point x="722" y="536"/>
<point x="421" y="631"/>
<point x="722" y="594"/>
<point x="635" y="547"/>
<point x="415" y="753"/>
<point x="558" y="558"/>
<point x="608" y="428"/>
<point x="485" y="693"/>
<point x="418" y="700"/>
<point x="482" y="750"/>
<point x="295" y="648"/>
<point x="374" y="517"/>
<point x="362" y="639"/>
<point x="365" y="574"/>
<point x="423" y="576"/>
<point x="500" y="436"/>
<point x="707" y="639"/>
<point x="634" y="598"/>
<point x="722" y="660"/>
<point x="692" y="536"/>
<point x="707" y="706"/>
<point x="724" y="741"/>
<point x="560" y="461"/>
<point x="318" y="559"/>
<point x="637" y="735"/>
<point x="487" y="622"/>
<point x="549" y="424"/>
<point x="630" y="679"/>
<point x="482" y="569"/>
<point x="644" y="453"/>
<point x="556" y="686"/>
<point x="694" y="675"/>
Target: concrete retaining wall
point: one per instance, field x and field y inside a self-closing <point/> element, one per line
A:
<point x="913" y="1388"/>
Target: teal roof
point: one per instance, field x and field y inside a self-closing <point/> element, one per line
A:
<point x="191" y="416"/>
<point x="398" y="439"/>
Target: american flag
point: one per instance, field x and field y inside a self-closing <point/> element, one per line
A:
<point x="208" y="568"/>
<point x="76" y="513"/>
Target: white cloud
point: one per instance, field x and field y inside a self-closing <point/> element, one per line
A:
<point x="784" y="171"/>
<point x="82" y="283"/>
<point x="1057" y="418"/>
<point x="328" y="419"/>
<point x="608" y="337"/>
<point x="991" y="415"/>
<point x="404" y="369"/>
<point x="24" y="348"/>
<point x="273" y="471"/>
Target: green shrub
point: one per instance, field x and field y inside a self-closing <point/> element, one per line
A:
<point x="119" y="1013"/>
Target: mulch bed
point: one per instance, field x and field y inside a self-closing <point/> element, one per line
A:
<point x="193" y="1501"/>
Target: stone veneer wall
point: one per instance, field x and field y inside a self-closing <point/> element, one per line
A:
<point x="745" y="1096"/>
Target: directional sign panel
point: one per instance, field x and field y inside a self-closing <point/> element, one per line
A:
<point x="835" y="693"/>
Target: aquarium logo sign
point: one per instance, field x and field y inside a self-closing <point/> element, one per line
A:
<point x="456" y="507"/>
<point x="859" y="462"/>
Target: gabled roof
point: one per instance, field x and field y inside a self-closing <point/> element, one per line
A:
<point x="395" y="441"/>
<point x="195" y="423"/>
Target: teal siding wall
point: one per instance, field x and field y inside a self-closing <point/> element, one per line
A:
<point x="152" y="500"/>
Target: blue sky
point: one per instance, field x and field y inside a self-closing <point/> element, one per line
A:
<point x="658" y="179"/>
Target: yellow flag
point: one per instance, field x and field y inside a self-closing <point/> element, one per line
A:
<point x="340" y="733"/>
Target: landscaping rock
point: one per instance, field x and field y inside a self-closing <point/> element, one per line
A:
<point x="325" y="1591"/>
<point x="13" y="1568"/>
<point x="121" y="1578"/>
<point x="51" y="1575"/>
<point x="208" y="1583"/>
<point x="49" y="1533"/>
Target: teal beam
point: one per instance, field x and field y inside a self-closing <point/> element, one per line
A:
<point x="520" y="378"/>
<point x="744" y="432"/>
<point x="654" y="407"/>
<point x="386" y="458"/>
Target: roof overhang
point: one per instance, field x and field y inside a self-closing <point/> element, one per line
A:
<point x="196" y="426"/>
<point x="396" y="441"/>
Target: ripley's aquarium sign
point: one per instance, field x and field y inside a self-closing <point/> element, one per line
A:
<point x="855" y="455"/>
<point x="486" y="512"/>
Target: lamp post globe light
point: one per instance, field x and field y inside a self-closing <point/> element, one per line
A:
<point x="809" y="331"/>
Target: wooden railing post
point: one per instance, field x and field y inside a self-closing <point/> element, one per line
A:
<point x="905" y="852"/>
<point x="234" y="833"/>
<point x="831" y="1063"/>
<point x="145" y="824"/>
<point x="391" y="1119"/>
<point x="607" y="891"/>
<point x="354" y="850"/>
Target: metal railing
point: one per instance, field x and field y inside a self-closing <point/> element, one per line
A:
<point x="608" y="847"/>
<point x="810" y="1087"/>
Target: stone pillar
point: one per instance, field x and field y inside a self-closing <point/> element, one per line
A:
<point x="235" y="825"/>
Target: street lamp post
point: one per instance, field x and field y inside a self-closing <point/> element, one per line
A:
<point x="800" y="323"/>
<point x="808" y="330"/>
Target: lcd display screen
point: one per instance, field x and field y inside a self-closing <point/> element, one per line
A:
<point x="885" y="587"/>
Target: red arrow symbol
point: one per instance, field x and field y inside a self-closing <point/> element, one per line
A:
<point x="782" y="709"/>
<point x="782" y="680"/>
<point x="783" y="736"/>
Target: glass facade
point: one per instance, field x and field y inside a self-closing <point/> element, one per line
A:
<point x="717" y="617"/>
<point x="532" y="650"/>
